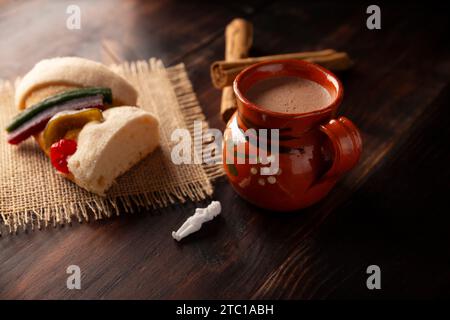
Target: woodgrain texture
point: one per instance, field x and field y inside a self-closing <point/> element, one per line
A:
<point x="390" y="211"/>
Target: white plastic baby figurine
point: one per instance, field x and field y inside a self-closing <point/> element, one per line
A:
<point x="194" y="223"/>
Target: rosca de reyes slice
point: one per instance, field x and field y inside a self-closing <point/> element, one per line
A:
<point x="73" y="107"/>
<point x="106" y="150"/>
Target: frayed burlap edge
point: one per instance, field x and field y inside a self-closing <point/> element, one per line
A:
<point x="99" y="208"/>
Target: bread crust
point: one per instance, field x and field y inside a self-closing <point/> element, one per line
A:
<point x="73" y="72"/>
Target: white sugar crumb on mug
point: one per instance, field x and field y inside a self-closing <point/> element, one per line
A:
<point x="194" y="222"/>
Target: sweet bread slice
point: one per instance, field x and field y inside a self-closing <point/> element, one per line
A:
<point x="74" y="109"/>
<point x="106" y="150"/>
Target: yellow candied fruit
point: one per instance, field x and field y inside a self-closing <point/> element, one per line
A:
<point x="68" y="124"/>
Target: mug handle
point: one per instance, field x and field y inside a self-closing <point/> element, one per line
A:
<point x="346" y="146"/>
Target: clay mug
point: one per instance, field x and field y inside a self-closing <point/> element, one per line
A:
<point x="315" y="149"/>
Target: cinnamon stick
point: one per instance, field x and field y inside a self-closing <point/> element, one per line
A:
<point x="224" y="72"/>
<point x="238" y="40"/>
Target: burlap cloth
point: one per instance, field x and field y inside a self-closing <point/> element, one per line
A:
<point x="32" y="195"/>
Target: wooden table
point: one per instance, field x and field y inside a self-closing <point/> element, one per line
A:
<point x="391" y="211"/>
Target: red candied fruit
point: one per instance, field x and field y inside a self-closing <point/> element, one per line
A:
<point x="60" y="151"/>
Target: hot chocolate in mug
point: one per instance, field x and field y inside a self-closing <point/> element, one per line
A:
<point x="314" y="148"/>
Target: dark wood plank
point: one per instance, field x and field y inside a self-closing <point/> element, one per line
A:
<point x="387" y="211"/>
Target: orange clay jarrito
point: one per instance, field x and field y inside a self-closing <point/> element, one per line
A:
<point x="315" y="149"/>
